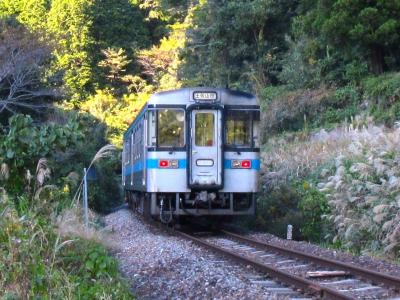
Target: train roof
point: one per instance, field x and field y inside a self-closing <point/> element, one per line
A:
<point x="186" y="96"/>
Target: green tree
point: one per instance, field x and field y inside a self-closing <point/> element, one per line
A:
<point x="115" y="63"/>
<point x="31" y="13"/>
<point x="118" y="24"/>
<point x="369" y="29"/>
<point x="69" y="22"/>
<point x="236" y="42"/>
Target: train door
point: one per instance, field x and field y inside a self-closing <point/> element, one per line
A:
<point x="206" y="149"/>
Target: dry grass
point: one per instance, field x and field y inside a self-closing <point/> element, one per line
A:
<point x="4" y="172"/>
<point x="292" y="157"/>
<point x="105" y="151"/>
<point x="358" y="168"/>
<point x="70" y="224"/>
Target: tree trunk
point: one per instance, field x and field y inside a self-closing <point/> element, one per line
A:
<point x="377" y="59"/>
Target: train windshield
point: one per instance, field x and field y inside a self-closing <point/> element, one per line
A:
<point x="170" y="128"/>
<point x="239" y="128"/>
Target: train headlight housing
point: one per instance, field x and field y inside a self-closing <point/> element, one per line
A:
<point x="168" y="164"/>
<point x="241" y="164"/>
<point x="245" y="164"/>
<point x="235" y="164"/>
<point x="173" y="163"/>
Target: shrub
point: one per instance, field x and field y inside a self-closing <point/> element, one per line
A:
<point x="383" y="94"/>
<point x="23" y="143"/>
<point x="291" y="110"/>
<point x="298" y="71"/>
<point x="37" y="263"/>
<point x="105" y="192"/>
<point x="343" y="105"/>
<point x="313" y="205"/>
<point x="298" y="203"/>
<point x="278" y="208"/>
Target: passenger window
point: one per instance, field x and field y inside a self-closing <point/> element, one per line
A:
<point x="204" y="132"/>
<point x="132" y="150"/>
<point x="171" y="124"/>
<point x="238" y="128"/>
<point x="126" y="152"/>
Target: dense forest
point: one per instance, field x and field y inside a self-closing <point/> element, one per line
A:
<point x="74" y="73"/>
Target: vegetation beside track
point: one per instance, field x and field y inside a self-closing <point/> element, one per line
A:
<point x="74" y="73"/>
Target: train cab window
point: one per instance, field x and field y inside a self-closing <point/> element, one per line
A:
<point x="170" y="128"/>
<point x="239" y="128"/>
<point x="204" y="123"/>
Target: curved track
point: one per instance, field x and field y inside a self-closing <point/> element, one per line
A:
<point x="293" y="268"/>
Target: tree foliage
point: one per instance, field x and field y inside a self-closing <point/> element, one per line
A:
<point x="103" y="58"/>
<point x="354" y="29"/>
<point x="22" y="144"/>
<point x="114" y="62"/>
<point x="236" y="42"/>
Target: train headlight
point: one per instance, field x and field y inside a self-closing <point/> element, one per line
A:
<point x="173" y="163"/>
<point x="241" y="164"/>
<point x="236" y="164"/>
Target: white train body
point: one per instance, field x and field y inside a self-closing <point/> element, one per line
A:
<point x="193" y="151"/>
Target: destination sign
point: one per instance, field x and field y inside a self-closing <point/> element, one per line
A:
<point x="205" y="96"/>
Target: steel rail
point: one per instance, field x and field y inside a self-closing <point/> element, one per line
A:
<point x="377" y="278"/>
<point x="290" y="279"/>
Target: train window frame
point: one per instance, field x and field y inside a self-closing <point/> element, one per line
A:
<point x="254" y="119"/>
<point x="153" y="120"/>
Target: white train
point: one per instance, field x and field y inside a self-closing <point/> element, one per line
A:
<point x="193" y="151"/>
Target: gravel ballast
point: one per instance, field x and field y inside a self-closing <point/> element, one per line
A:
<point x="363" y="261"/>
<point x="161" y="266"/>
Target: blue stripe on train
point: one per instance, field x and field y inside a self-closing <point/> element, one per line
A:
<point x="255" y="164"/>
<point x="152" y="163"/>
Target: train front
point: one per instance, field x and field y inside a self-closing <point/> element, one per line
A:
<point x="207" y="153"/>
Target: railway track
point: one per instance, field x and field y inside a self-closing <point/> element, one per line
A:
<point x="299" y="271"/>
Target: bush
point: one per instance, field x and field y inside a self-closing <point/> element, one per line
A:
<point x="278" y="208"/>
<point x="313" y="206"/>
<point x="37" y="263"/>
<point x="24" y="143"/>
<point x="344" y="183"/>
<point x="383" y="95"/>
<point x="343" y="105"/>
<point x="298" y="71"/>
<point x="292" y="110"/>
<point x="105" y="192"/>
<point x="298" y="203"/>
<point x="93" y="271"/>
